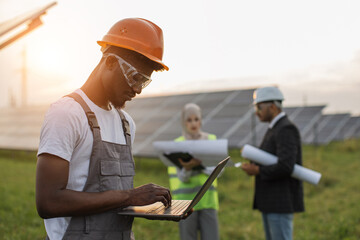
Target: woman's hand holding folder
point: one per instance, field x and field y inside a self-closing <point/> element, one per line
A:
<point x="188" y="165"/>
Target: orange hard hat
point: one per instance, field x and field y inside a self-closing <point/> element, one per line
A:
<point x="139" y="35"/>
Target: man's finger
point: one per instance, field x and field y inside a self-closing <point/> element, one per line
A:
<point x="168" y="196"/>
<point x="163" y="200"/>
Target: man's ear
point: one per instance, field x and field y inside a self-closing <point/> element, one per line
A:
<point x="274" y="108"/>
<point x="110" y="62"/>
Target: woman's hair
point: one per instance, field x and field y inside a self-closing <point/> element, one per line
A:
<point x="191" y="109"/>
<point x="188" y="110"/>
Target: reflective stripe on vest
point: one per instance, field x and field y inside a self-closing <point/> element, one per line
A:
<point x="187" y="190"/>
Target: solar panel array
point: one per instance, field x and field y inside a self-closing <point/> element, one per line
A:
<point x="159" y="118"/>
<point x="20" y="127"/>
<point x="350" y="129"/>
<point x="327" y="129"/>
<point x="227" y="114"/>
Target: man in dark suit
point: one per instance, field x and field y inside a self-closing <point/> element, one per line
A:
<point x="277" y="195"/>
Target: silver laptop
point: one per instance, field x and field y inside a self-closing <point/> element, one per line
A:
<point x="178" y="208"/>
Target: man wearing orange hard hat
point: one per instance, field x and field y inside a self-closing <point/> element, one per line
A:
<point x="85" y="167"/>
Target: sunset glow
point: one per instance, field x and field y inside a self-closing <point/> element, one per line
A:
<point x="296" y="46"/>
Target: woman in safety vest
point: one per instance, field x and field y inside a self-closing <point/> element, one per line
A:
<point x="186" y="182"/>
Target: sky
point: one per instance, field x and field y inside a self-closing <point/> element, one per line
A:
<point x="309" y="49"/>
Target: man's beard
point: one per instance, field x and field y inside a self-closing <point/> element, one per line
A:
<point x="115" y="100"/>
<point x="119" y="105"/>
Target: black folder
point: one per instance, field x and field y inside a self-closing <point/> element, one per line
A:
<point x="174" y="158"/>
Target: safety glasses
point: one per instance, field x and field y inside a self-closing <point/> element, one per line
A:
<point x="132" y="76"/>
<point x="260" y="106"/>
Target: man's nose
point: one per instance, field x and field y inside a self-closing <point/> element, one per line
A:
<point x="137" y="89"/>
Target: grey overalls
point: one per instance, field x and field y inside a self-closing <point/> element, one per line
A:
<point x="111" y="168"/>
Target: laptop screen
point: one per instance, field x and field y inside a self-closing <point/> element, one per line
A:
<point x="208" y="182"/>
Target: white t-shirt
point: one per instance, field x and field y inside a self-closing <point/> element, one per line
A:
<point x="67" y="134"/>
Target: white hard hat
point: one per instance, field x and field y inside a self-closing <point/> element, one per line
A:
<point x="266" y="94"/>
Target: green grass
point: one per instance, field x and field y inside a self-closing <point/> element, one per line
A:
<point x="18" y="216"/>
<point x="332" y="207"/>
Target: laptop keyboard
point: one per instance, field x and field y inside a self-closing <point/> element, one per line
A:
<point x="176" y="207"/>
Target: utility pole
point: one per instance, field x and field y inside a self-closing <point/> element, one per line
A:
<point x="12" y="99"/>
<point x="304" y="99"/>
<point x="24" y="80"/>
<point x="253" y="128"/>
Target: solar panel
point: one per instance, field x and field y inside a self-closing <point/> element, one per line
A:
<point x="349" y="129"/>
<point x="20" y="127"/>
<point x="32" y="19"/>
<point x="327" y="128"/>
<point x="356" y="134"/>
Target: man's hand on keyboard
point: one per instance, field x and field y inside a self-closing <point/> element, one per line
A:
<point x="148" y="194"/>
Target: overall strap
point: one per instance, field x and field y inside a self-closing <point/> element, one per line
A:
<point x="93" y="123"/>
<point x="126" y="127"/>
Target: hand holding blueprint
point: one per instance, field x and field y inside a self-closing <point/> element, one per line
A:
<point x="264" y="158"/>
<point x="210" y="152"/>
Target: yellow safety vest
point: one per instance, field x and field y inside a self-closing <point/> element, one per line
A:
<point x="187" y="190"/>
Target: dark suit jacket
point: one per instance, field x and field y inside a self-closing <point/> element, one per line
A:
<point x="275" y="190"/>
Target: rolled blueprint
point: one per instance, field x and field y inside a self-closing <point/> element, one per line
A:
<point x="264" y="158"/>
